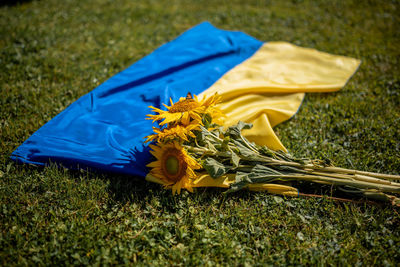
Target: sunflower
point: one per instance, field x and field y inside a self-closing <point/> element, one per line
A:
<point x="209" y="107"/>
<point x="174" y="167"/>
<point x="209" y="101"/>
<point x="172" y="132"/>
<point x="182" y="112"/>
<point x="189" y="110"/>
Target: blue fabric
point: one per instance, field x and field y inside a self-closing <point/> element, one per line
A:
<point x="104" y="129"/>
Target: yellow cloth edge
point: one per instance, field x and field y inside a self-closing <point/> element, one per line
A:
<point x="266" y="71"/>
<point x="278" y="189"/>
<point x="205" y="180"/>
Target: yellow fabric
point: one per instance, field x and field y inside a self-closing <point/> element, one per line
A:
<point x="269" y="87"/>
<point x="206" y="180"/>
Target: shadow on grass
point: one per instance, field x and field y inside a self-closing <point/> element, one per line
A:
<point x="124" y="189"/>
<point x="13" y="2"/>
<point x="137" y="190"/>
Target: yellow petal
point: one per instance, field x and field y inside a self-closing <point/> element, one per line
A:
<point x="189" y="188"/>
<point x="154" y="164"/>
<point x="196" y="116"/>
<point x="157" y="109"/>
<point x="171" y="117"/>
<point x="185" y="118"/>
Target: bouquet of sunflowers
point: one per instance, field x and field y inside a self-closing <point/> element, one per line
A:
<point x="193" y="149"/>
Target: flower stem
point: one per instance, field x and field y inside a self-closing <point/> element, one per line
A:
<point x="334" y="181"/>
<point x="336" y="170"/>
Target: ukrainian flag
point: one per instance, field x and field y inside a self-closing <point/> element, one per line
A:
<point x="261" y="83"/>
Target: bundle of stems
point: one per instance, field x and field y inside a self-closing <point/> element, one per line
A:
<point x="228" y="151"/>
<point x="192" y="149"/>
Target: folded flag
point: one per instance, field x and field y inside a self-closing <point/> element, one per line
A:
<point x="260" y="83"/>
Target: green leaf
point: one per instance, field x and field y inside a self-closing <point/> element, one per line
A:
<point x="234" y="188"/>
<point x="258" y="174"/>
<point x="235" y="159"/>
<point x="263" y="174"/>
<point x="207" y="119"/>
<point x="214" y="168"/>
<point x="225" y="143"/>
<point x="267" y="152"/>
<point x="241" y="181"/>
<point x="243" y="150"/>
<point x="241" y="177"/>
<point x="200" y="136"/>
<point x="218" y="130"/>
<point x="236" y="131"/>
<point x="244" y="125"/>
<point x="259" y="170"/>
<point x="210" y="146"/>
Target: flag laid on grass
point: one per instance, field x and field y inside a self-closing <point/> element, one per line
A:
<point x="261" y="83"/>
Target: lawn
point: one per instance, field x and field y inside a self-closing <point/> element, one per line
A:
<point x="53" y="52"/>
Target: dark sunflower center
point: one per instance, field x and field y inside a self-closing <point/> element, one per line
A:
<point x="172" y="165"/>
<point x="184" y="105"/>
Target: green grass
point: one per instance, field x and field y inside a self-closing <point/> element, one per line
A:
<point x="53" y="52"/>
